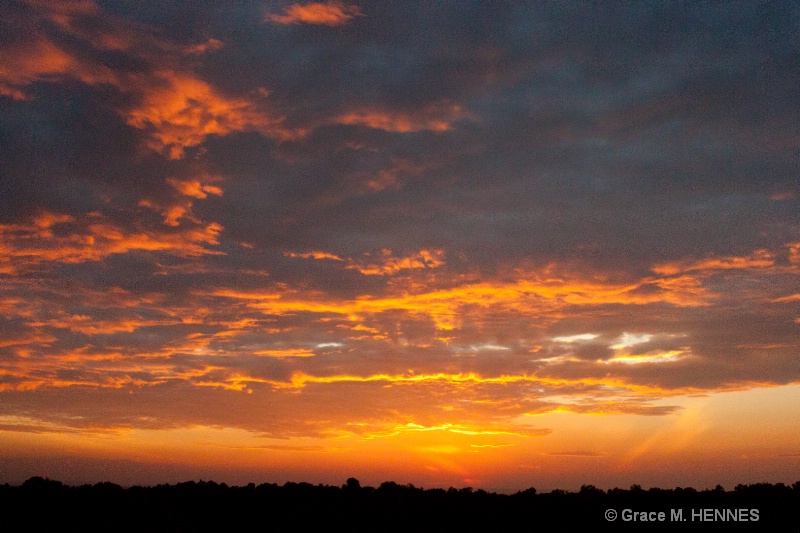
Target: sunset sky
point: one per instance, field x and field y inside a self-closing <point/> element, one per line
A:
<point x="462" y="243"/>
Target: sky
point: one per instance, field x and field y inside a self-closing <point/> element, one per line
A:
<point x="465" y="243"/>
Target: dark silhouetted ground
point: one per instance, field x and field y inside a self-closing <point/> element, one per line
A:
<point x="42" y="504"/>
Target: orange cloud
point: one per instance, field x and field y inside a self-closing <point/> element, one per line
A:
<point x="174" y="213"/>
<point x="179" y="111"/>
<point x="471" y="430"/>
<point x="46" y="220"/>
<point x="29" y="374"/>
<point x="211" y="44"/>
<point x="44" y="61"/>
<point x="93" y="238"/>
<point x="540" y="297"/>
<point x="194" y="188"/>
<point x="286" y="352"/>
<point x="390" y="177"/>
<point x="790" y="298"/>
<point x="437" y="118"/>
<point x="176" y="108"/>
<point x="794" y="253"/>
<point x="329" y="14"/>
<point x="41" y="60"/>
<point x="314" y="255"/>
<point x="386" y="264"/>
<point x="25" y="339"/>
<point x="758" y="259"/>
<point x="92" y="326"/>
<point x="301" y="379"/>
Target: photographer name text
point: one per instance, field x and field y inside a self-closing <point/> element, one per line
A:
<point x="682" y="515"/>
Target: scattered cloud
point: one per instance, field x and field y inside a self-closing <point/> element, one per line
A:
<point x="758" y="259"/>
<point x="94" y="237"/>
<point x="314" y="255"/>
<point x="385" y="263"/>
<point x="179" y="111"/>
<point x="330" y="13"/>
<point x="437" y="118"/>
<point x="194" y="188"/>
<point x="210" y="45"/>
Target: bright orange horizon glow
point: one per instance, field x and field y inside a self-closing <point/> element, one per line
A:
<point x="555" y="449"/>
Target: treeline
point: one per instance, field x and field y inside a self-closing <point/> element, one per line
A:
<point x="42" y="504"/>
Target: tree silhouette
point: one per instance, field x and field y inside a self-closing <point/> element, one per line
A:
<point x="206" y="505"/>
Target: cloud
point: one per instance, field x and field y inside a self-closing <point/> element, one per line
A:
<point x="385" y="263"/>
<point x="437" y="118"/>
<point x="92" y="238"/>
<point x="314" y="255"/>
<point x="391" y="178"/>
<point x="178" y="211"/>
<point x="194" y="188"/>
<point x="44" y="61"/>
<point x="210" y="45"/>
<point x="381" y="264"/>
<point x="180" y="111"/>
<point x="758" y="259"/>
<point x="286" y="352"/>
<point x="533" y="295"/>
<point x="794" y="253"/>
<point x="789" y="298"/>
<point x="176" y="109"/>
<point x="459" y="429"/>
<point x="331" y="13"/>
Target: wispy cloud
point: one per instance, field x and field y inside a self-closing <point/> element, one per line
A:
<point x="574" y="454"/>
<point x="330" y="13"/>
<point x="758" y="259"/>
<point x="386" y="263"/>
<point x="314" y="255"/>
<point x="437" y="118"/>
